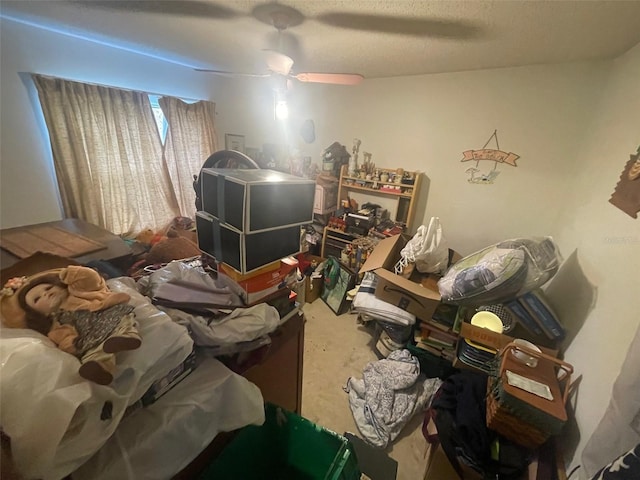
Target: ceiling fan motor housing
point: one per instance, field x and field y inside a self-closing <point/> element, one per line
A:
<point x="280" y="16"/>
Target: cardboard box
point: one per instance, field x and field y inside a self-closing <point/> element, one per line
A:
<point x="170" y="380"/>
<point x="326" y="198"/>
<point x="313" y="286"/>
<point x="489" y="339"/>
<point x="229" y="271"/>
<point x="257" y="200"/>
<point x="418" y="295"/>
<point x="494" y="340"/>
<point x="261" y="286"/>
<point x="439" y="467"/>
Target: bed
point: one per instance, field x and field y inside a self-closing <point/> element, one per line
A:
<point x="62" y="425"/>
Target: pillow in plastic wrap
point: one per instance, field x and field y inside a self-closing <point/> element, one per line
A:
<point x="477" y="278"/>
<point x="500" y="272"/>
<point x="542" y="256"/>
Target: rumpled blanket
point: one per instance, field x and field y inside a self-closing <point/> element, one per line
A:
<point x="391" y="391"/>
<point x="365" y="302"/>
<point x="192" y="286"/>
<point x="241" y="325"/>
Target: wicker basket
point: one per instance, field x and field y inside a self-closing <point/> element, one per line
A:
<point x="523" y="417"/>
<point x="501" y="420"/>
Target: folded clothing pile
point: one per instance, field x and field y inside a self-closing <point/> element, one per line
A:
<point x="366" y="303"/>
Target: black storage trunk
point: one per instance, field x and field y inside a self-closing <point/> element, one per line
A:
<point x="256" y="200"/>
<point x="365" y="222"/>
<point x="359" y="224"/>
<point x="245" y="251"/>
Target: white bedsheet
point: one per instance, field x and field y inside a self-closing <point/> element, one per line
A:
<point x="52" y="415"/>
<point x="160" y="440"/>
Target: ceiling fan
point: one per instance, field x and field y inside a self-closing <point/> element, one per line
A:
<point x="278" y="63"/>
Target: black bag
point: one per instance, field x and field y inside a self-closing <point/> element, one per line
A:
<point x="458" y="410"/>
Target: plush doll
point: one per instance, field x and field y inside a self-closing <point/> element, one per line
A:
<point x="148" y="238"/>
<point x="74" y="308"/>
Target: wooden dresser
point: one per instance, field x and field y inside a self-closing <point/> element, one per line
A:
<point x="279" y="377"/>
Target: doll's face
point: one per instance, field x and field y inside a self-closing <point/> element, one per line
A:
<point x="45" y="298"/>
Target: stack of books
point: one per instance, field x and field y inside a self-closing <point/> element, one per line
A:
<point x="534" y="313"/>
<point x="439" y="335"/>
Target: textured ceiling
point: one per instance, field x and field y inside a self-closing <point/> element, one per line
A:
<point x="372" y="38"/>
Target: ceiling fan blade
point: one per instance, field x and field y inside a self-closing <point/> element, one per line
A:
<point x="232" y="74"/>
<point x="185" y="8"/>
<point x="334" y="78"/>
<point x="417" y="27"/>
<point x="278" y="62"/>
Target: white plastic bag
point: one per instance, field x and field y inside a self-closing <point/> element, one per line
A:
<point x="428" y="248"/>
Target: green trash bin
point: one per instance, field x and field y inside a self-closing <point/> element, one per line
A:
<point x="286" y="447"/>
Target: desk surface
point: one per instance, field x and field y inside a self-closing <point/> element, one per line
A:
<point x="116" y="248"/>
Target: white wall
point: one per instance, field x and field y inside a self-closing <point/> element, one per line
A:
<point x="28" y="192"/>
<point x="572" y="125"/>
<point x="426" y="122"/>
<point x="606" y="239"/>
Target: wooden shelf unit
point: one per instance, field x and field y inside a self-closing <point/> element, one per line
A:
<point x="334" y="241"/>
<point x="406" y="197"/>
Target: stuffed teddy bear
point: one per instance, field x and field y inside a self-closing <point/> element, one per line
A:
<point x="75" y="309"/>
<point x="173" y="247"/>
<point x="184" y="227"/>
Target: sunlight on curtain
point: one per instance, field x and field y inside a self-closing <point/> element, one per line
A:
<point x="191" y="139"/>
<point x="107" y="155"/>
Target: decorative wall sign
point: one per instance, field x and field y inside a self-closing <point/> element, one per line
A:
<point x="495" y="155"/>
<point x="627" y="193"/>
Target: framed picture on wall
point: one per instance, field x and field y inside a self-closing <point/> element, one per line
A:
<point x="234" y="142"/>
<point x="340" y="280"/>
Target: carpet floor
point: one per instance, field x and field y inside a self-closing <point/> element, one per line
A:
<point x="336" y="348"/>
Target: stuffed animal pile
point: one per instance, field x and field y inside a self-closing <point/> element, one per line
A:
<point x="175" y="242"/>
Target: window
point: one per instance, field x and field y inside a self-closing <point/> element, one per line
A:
<point x="161" y="121"/>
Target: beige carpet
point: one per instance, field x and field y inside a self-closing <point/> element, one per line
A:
<point x="335" y="349"/>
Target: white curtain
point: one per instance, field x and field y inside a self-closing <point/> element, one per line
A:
<point x="191" y="139"/>
<point x="108" y="155"/>
<point x="619" y="428"/>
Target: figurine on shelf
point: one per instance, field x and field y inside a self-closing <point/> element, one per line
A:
<point x="384" y="177"/>
<point x="409" y="178"/>
<point x="353" y="162"/>
<point x="344" y="254"/>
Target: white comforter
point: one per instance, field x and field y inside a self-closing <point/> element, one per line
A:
<point x="52" y="415"/>
<point x="158" y="441"/>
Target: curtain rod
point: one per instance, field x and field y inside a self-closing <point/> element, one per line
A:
<point x="119" y="88"/>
